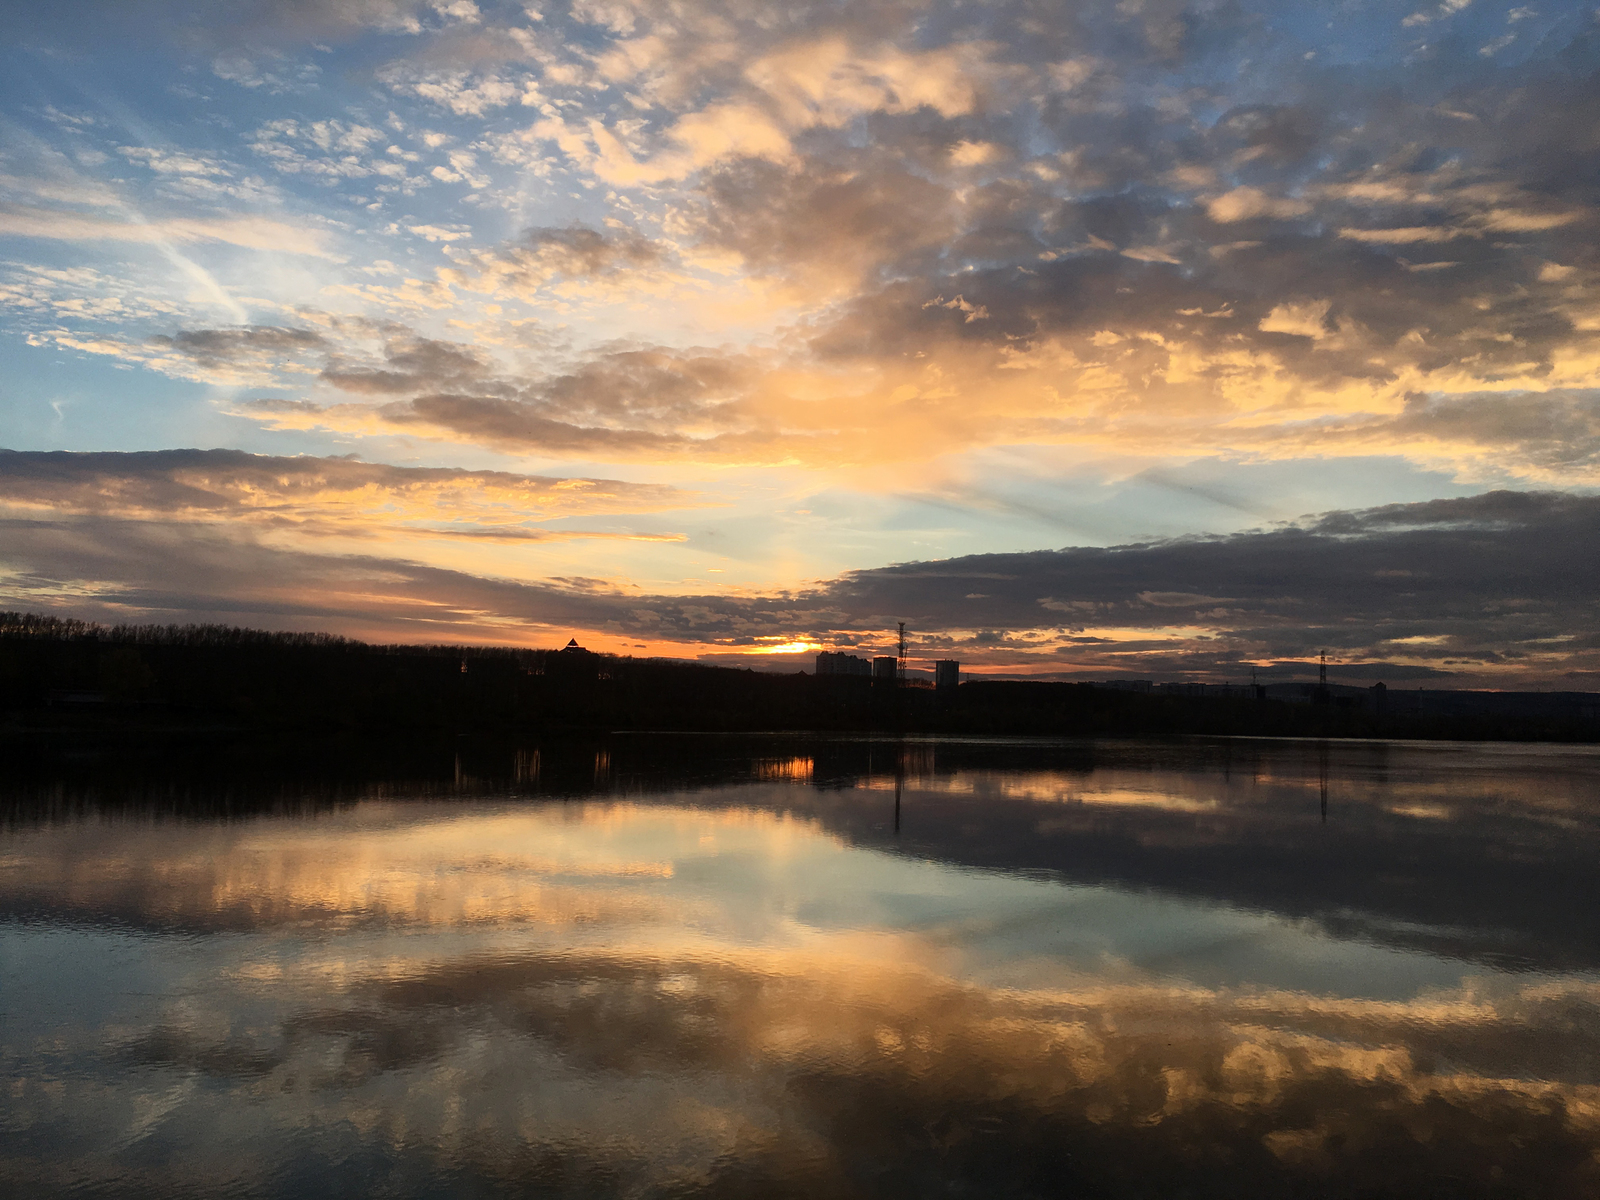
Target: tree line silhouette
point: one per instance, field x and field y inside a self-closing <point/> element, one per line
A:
<point x="64" y="674"/>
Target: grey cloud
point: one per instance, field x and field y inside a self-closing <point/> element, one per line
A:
<point x="1495" y="511"/>
<point x="1558" y="430"/>
<point x="214" y="348"/>
<point x="1363" y="328"/>
<point x="220" y="485"/>
<point x="576" y="250"/>
<point x="1339" y="228"/>
<point x="1417" y="217"/>
<point x="1555" y="433"/>
<point x="546" y="254"/>
<point x="844" y="216"/>
<point x="1495" y="587"/>
<point x="623" y="400"/>
<point x="409" y="362"/>
<point x="211" y="572"/>
<point x="655" y="387"/>
<point x="412" y="364"/>
<point x="620" y="398"/>
<point x="519" y="426"/>
<point x="1495" y="579"/>
<point x="1488" y="309"/>
<point x="289" y="23"/>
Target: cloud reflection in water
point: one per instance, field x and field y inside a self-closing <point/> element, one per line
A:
<point x="754" y="990"/>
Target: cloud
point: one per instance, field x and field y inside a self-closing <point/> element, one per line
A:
<point x="1357" y="583"/>
<point x="827" y="81"/>
<point x="238" y="355"/>
<point x="410" y="365"/>
<point x="1424" y="16"/>
<point x="1089" y="349"/>
<point x="647" y="404"/>
<point x="768" y="1035"/>
<point x="1303" y="320"/>
<point x="253" y="233"/>
<point x="213" y="349"/>
<point x="1244" y="203"/>
<point x="434" y="233"/>
<point x="796" y="86"/>
<point x="876" y="245"/>
<point x="258" y="23"/>
<point x="839" y="225"/>
<point x="330" y="151"/>
<point x="248" y="72"/>
<point x="1493" y="589"/>
<point x="83" y="293"/>
<point x="461" y="92"/>
<point x="830" y="159"/>
<point x="229" y="489"/>
<point x="64" y="186"/>
<point x="1557" y="434"/>
<point x="845" y="400"/>
<point x="544" y="255"/>
<point x="166" y="162"/>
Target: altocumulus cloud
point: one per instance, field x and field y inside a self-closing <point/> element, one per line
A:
<point x="1149" y="275"/>
<point x="1167" y="257"/>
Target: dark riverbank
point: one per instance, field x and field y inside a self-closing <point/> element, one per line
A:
<point x="70" y="678"/>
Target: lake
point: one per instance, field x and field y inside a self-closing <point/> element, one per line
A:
<point x="707" y="966"/>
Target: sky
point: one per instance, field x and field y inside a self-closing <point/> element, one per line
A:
<point x="1092" y="340"/>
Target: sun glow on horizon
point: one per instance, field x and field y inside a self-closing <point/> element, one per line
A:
<point x="798" y="647"/>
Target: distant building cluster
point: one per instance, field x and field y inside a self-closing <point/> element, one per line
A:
<point x="837" y="662"/>
<point x="885" y="667"/>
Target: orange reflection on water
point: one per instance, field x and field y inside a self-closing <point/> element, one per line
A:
<point x="427" y="864"/>
<point x="659" y="996"/>
<point x="797" y="769"/>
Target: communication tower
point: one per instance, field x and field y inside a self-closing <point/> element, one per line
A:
<point x="901" y="673"/>
<point x="1322" y="694"/>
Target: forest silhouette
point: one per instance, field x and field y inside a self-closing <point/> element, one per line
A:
<point x="68" y="675"/>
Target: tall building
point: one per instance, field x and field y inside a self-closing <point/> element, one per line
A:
<point x="946" y="674"/>
<point x="885" y="667"/>
<point x="836" y="662"/>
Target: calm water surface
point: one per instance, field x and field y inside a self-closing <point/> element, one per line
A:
<point x="772" y="967"/>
